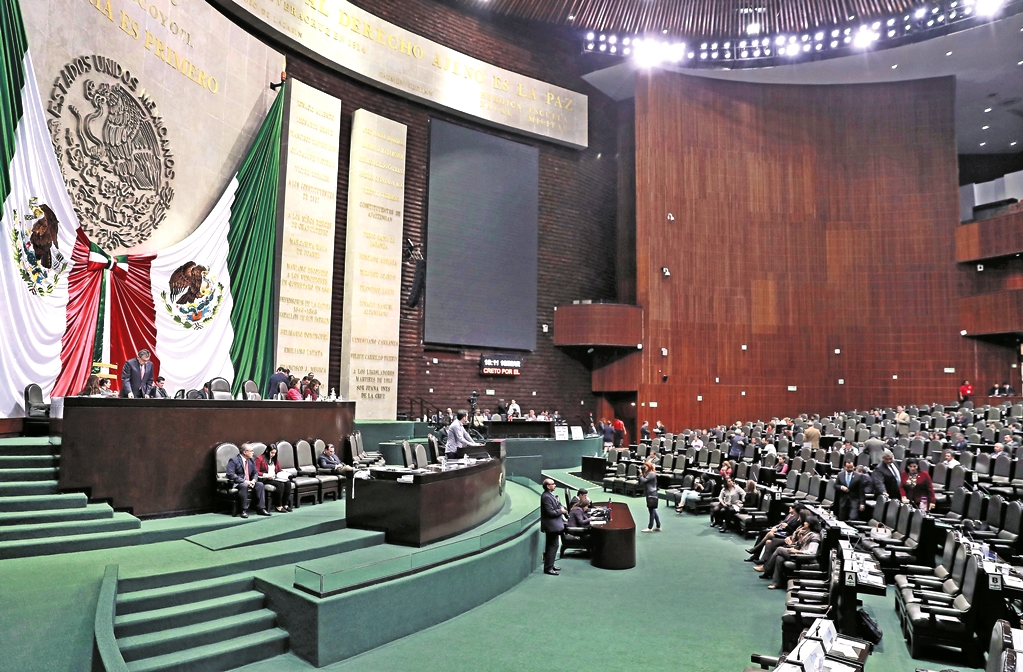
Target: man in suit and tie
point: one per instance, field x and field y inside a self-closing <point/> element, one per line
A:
<point x="552" y="524"/>
<point x="241" y="471"/>
<point x="273" y="386"/>
<point x="159" y="391"/>
<point x="137" y="376"/>
<point x="886" y="477"/>
<point x="849" y="493"/>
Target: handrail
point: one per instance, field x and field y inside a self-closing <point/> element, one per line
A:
<point x="103" y="627"/>
<point x="423" y="405"/>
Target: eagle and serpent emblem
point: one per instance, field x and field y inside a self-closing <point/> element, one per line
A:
<point x="113" y="152"/>
<point x="194" y="296"/>
<point x="36" y="248"/>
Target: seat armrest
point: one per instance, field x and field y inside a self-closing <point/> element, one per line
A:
<point x="984" y="534"/>
<point x="917" y="569"/>
<point x="766" y="662"/>
<point x="935" y="610"/>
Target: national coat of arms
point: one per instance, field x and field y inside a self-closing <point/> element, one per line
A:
<point x="194" y="296"/>
<point x="36" y="249"/>
<point x="112" y="149"/>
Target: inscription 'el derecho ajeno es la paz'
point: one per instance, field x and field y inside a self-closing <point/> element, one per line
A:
<point x="376" y="200"/>
<point x="307" y="249"/>
<point x="363" y="45"/>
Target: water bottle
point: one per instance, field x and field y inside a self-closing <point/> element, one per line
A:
<point x="984" y="550"/>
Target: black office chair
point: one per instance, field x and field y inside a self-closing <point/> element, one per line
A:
<point x="221" y="389"/>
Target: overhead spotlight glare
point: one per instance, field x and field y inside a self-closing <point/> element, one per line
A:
<point x="819" y="46"/>
<point x="780" y="40"/>
<point x="834" y="43"/>
<point x="984" y="128"/>
<point x="713" y="54"/>
<point x="806" y="38"/>
<point x="962" y="333"/>
<point x="703" y="46"/>
<point x="767" y="52"/>
<point x="589" y="36"/>
<point x="613" y="49"/>
<point x="818" y="37"/>
<point x="714" y="45"/>
<point x="625" y="42"/>
<point x="806" y="47"/>
<point x="665" y="31"/>
<point x="744" y="53"/>
<point x="753" y="29"/>
<point x="792" y="50"/>
<point x="988" y="7"/>
<point x="935" y="10"/>
<point x="908" y="28"/>
<point x="834" y="33"/>
<point x="948" y="53"/>
<point x="728" y="45"/>
<point x="982" y="144"/>
<point x="930" y="23"/>
<point x="875" y="25"/>
<point x="665" y="271"/>
<point x="613" y="39"/>
<point x="891" y="22"/>
<point x="891" y="33"/>
<point x="847" y="39"/>
<point x="571" y="16"/>
<point x="590" y="46"/>
<point x="756" y="53"/>
<point x="742" y="44"/>
<point x="626" y="51"/>
<point x="603" y="47"/>
<point x="941" y="18"/>
<point x="1012" y="144"/>
<point x="792" y="40"/>
<point x="703" y="54"/>
<point x="952" y="14"/>
<point x="920" y="13"/>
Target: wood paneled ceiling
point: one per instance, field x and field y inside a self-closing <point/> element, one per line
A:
<point x="693" y="18"/>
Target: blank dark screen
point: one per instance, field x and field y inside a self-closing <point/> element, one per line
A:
<point x="481" y="240"/>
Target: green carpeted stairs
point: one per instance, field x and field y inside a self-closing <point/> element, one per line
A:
<point x="212" y="624"/>
<point x="36" y="520"/>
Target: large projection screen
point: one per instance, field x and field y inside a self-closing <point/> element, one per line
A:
<point x="481" y="240"/>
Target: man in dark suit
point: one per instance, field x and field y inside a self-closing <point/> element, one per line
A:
<point x="849" y="492"/>
<point x="159" y="391"/>
<point x="241" y="471"/>
<point x="273" y="387"/>
<point x="137" y="376"/>
<point x="887" y="478"/>
<point x="551" y="523"/>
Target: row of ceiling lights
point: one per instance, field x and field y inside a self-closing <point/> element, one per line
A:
<point x="748" y="50"/>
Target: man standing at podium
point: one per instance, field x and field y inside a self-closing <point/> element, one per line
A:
<point x="137" y="376"/>
<point x="552" y="524"/>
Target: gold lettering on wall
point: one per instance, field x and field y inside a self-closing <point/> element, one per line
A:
<point x="307" y="250"/>
<point x="376" y="193"/>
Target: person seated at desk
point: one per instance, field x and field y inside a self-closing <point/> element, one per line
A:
<point x="1006" y="390"/>
<point x="700" y="486"/>
<point x="268" y="468"/>
<point x="729" y="502"/>
<point x="329" y="461"/>
<point x="159" y="391"/>
<point x="294" y="393"/>
<point x="457" y="436"/>
<point x="513" y="408"/>
<point x="949" y="459"/>
<point x="579" y="516"/>
<point x="787" y="526"/>
<point x="92" y="388"/>
<point x="242" y="472"/>
<point x="581" y="495"/>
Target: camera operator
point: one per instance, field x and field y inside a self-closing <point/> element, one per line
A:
<point x="457" y="436"/>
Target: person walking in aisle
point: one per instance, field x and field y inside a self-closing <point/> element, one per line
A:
<point x="648" y="479"/>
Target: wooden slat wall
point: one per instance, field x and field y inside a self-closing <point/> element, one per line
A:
<point x="807" y="219"/>
<point x="598" y="324"/>
<point x="995" y="237"/>
<point x="994" y="313"/>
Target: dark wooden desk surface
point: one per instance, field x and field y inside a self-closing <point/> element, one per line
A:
<point x="155" y="457"/>
<point x="435" y="506"/>
<point x="614" y="544"/>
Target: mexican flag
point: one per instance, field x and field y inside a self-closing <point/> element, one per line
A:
<point x="37" y="226"/>
<point x="203" y="307"/>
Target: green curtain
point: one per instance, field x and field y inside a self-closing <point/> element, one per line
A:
<point x="250" y="260"/>
<point x="13" y="45"/>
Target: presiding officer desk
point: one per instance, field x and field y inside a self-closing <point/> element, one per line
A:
<point x="426" y="505"/>
<point x="156" y="456"/>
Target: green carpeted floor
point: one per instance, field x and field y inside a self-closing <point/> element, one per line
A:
<point x="690" y="604"/>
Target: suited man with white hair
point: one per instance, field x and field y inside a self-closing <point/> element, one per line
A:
<point x="137" y="376"/>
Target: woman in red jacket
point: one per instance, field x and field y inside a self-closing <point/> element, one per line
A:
<point x="268" y="469"/>
<point x="917" y="487"/>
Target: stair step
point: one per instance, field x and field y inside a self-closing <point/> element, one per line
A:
<point x="73" y="500"/>
<point x="227" y="655"/>
<point x="30" y="488"/>
<point x="74" y="543"/>
<point x="145" y="622"/>
<point x="195" y="635"/>
<point x="117" y="522"/>
<point x="29" y="449"/>
<point x="28" y="461"/>
<point x="182" y="593"/>
<point x="43" y="516"/>
<point x="28" y="475"/>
